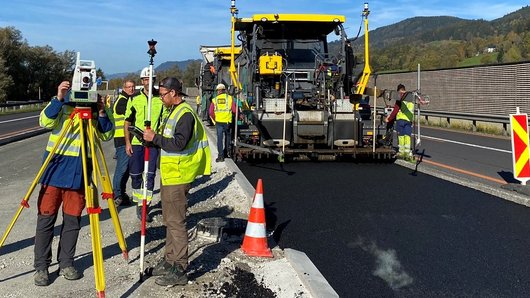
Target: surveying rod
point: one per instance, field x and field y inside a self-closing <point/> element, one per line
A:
<point x="418" y="139"/>
<point x="151" y="52"/>
<point x="234" y="75"/>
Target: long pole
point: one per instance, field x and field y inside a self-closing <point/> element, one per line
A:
<point x="284" y="118"/>
<point x="234" y="74"/>
<point x="374" y="116"/>
<point x="418" y="139"/>
<point x="151" y="53"/>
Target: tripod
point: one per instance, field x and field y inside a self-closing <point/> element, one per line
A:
<point x="82" y="116"/>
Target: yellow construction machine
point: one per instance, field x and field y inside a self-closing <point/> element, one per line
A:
<point x="301" y="96"/>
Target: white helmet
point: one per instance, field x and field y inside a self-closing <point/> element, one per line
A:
<point x="145" y="73"/>
<point x="220" y="87"/>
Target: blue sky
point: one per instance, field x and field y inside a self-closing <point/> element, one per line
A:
<point x="115" y="33"/>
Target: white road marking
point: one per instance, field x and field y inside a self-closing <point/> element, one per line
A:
<point x="18" y="119"/>
<point x="467" y="144"/>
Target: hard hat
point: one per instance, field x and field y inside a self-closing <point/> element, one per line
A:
<point x="145" y="73"/>
<point x="220" y="86"/>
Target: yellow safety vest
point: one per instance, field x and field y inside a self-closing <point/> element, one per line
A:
<point x="119" y="119"/>
<point x="71" y="143"/>
<point x="139" y="102"/>
<point x="223" y="108"/>
<point x="406" y="110"/>
<point x="184" y="166"/>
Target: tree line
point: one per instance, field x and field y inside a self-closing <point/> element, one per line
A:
<point x="33" y="72"/>
<point x="29" y="71"/>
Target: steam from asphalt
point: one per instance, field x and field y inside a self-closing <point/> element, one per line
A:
<point x="387" y="265"/>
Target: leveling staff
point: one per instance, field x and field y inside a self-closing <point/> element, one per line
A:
<point x="62" y="183"/>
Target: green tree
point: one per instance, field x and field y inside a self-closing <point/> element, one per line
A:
<point x="5" y="81"/>
<point x="171" y="72"/>
<point x="500" y="55"/>
<point x="100" y="74"/>
<point x="117" y="83"/>
<point x="44" y="69"/>
<point x="190" y="73"/>
<point x="12" y="51"/>
<point x="513" y="54"/>
<point x="33" y="70"/>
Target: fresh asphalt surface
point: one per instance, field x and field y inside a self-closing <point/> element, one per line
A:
<point x="379" y="230"/>
<point x="375" y="230"/>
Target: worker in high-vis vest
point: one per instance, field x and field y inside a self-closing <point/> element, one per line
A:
<point x="184" y="156"/>
<point x="221" y="110"/>
<point x="62" y="184"/>
<point x="121" y="173"/>
<point x="403" y="112"/>
<point x="136" y="115"/>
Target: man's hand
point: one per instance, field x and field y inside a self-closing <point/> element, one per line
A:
<point x="101" y="106"/>
<point x="128" y="149"/>
<point x="149" y="135"/>
<point x="62" y="90"/>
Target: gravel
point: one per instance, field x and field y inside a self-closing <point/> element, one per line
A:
<point x="217" y="267"/>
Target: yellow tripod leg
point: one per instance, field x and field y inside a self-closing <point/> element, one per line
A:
<point x="24" y="202"/>
<point x="108" y="195"/>
<point x="92" y="207"/>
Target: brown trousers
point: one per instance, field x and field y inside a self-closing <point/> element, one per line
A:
<point x="174" y="207"/>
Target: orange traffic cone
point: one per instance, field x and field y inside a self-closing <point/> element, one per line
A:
<point x="255" y="241"/>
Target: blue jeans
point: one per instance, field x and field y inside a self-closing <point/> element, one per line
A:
<point x="223" y="130"/>
<point x="121" y="174"/>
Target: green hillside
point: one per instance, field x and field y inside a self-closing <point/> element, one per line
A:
<point x="445" y="41"/>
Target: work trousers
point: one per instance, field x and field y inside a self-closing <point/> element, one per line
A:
<point x="121" y="174"/>
<point x="404" y="130"/>
<point x="49" y="201"/>
<point x="174" y="205"/>
<point x="136" y="169"/>
<point x="224" y="137"/>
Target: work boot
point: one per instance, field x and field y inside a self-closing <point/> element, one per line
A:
<point x="162" y="268"/>
<point x="220" y="159"/>
<point x="148" y="217"/>
<point x="118" y="200"/>
<point x="41" y="278"/>
<point x="122" y="200"/>
<point x="126" y="201"/>
<point x="70" y="273"/>
<point x="175" y="276"/>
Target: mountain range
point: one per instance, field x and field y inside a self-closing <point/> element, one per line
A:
<point x="164" y="66"/>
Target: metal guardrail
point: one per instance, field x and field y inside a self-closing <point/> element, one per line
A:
<point x="474" y="118"/>
<point x="17" y="105"/>
<point x="467" y="116"/>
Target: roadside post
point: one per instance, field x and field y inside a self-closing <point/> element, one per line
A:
<point x="520" y="150"/>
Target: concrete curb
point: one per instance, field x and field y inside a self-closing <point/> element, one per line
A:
<point x="516" y="194"/>
<point x="24" y="136"/>
<point x="308" y="273"/>
<point x="312" y="279"/>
